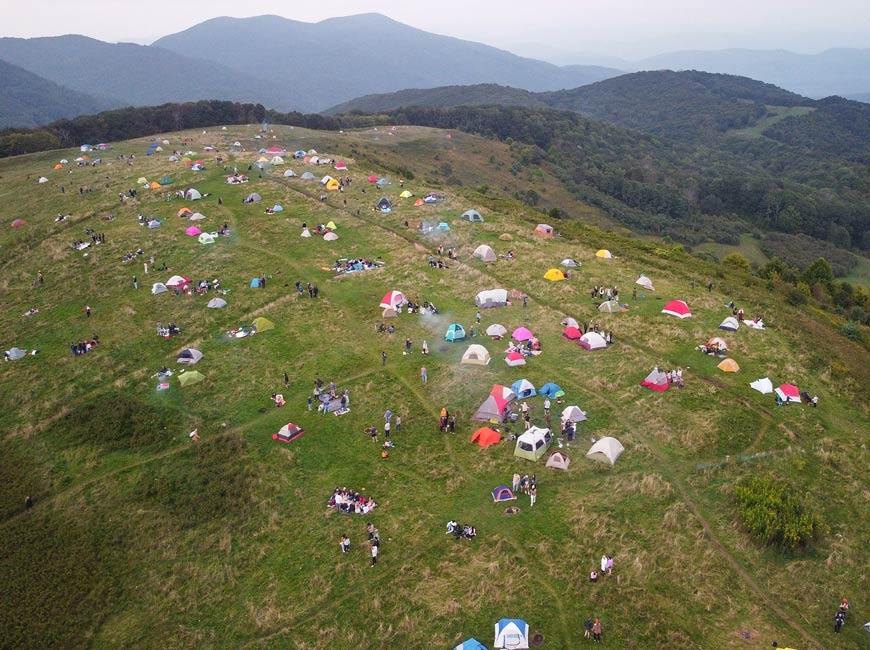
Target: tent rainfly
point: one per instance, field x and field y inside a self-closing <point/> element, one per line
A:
<point x="763" y="386"/>
<point x="677" y="308"/>
<point x="476" y="355"/>
<point x="606" y="450"/>
<point x="511" y="634"/>
<point x="558" y="460"/>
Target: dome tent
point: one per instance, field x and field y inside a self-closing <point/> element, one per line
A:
<point x="606" y="450"/>
<point x="485" y="253"/>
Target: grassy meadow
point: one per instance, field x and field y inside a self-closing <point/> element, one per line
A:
<point x="142" y="538"/>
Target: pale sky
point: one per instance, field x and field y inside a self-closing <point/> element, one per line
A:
<point x="546" y="29"/>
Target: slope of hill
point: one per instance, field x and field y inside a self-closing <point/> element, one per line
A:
<point x="132" y="75"/>
<point x="333" y="61"/>
<point x="841" y="71"/>
<point x="141" y="535"/>
<point x="28" y="100"/>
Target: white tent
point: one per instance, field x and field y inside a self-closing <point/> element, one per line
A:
<point x="570" y="263"/>
<point x="645" y="282"/>
<point x="473" y="216"/>
<point x="763" y="386"/>
<point x="485" y="253"/>
<point x="606" y="450"/>
<point x="496" y="329"/>
<point x="158" y="287"/>
<point x="305" y="233"/>
<point x="206" y="238"/>
<point x="330" y="236"/>
<point x="593" y="341"/>
<point x="570" y="322"/>
<point x="511" y="634"/>
<point x="730" y="324"/>
<point x="216" y="303"/>
<point x="533" y="443"/>
<point x="610" y="306"/>
<point x="189" y="356"/>
<point x="558" y="460"/>
<point x="277" y="160"/>
<point x="193" y="194"/>
<point x="176" y="281"/>
<point x="196" y="216"/>
<point x="491" y="298"/>
<point x="476" y="355"/>
<point x="574" y="414"/>
<point x="289" y="173"/>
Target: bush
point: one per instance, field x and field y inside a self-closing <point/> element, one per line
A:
<point x="772" y="513"/>
<point x="852" y="331"/>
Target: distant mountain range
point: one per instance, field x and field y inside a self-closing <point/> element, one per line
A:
<point x="308" y="67"/>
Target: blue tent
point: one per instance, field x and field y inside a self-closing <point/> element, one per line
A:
<point x="502" y="493"/>
<point x="523" y="388"/>
<point x="551" y="390"/>
<point x="150" y="152"/>
<point x="255" y="283"/>
<point x="277" y="208"/>
<point x="470" y="644"/>
<point x="511" y="633"/>
<point x="455" y="333"/>
<point x="443" y="226"/>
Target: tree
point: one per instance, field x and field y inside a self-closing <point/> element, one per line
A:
<point x="819" y="272"/>
<point x="736" y="261"/>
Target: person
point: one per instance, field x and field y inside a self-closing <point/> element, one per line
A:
<point x="815" y="401"/>
<point x="596" y="629"/>
<point x="398" y="424"/>
<point x="593" y="577"/>
<point x="375" y="545"/>
<point x="425" y="347"/>
<point x="286" y="380"/>
<point x="88" y="311"/>
<point x="310" y="402"/>
<point x="533" y="494"/>
<point x="28" y="502"/>
<point x="603" y="564"/>
<point x="423" y="374"/>
<point x="451" y="526"/>
<point x="546" y="406"/>
<point x="587" y="628"/>
<point x="135" y="282"/>
<point x="478" y="317"/>
<point x="516" y="482"/>
<point x="387" y="429"/>
<point x="839" y="619"/>
<point x="451" y="424"/>
<point x="609" y="565"/>
<point x="344" y="543"/>
<point x="383" y="358"/>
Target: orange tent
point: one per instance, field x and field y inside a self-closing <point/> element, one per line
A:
<point x="185" y="212"/>
<point x="486" y="437"/>
<point x="728" y="365"/>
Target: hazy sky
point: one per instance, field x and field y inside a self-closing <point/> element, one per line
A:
<point x="628" y="28"/>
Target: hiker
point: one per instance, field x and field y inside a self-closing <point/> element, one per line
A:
<point x="423" y="375"/>
<point x="516" y="482"/>
<point x="375" y="545"/>
<point x="28" y="502"/>
<point x="596" y="629"/>
<point x="384" y="357"/>
<point x="135" y="282"/>
<point x="533" y="494"/>
<point x="88" y="311"/>
<point x="344" y="543"/>
<point x="587" y="628"/>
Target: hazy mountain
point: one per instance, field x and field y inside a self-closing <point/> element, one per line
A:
<point x="125" y="74"/>
<point x="832" y="72"/>
<point x="322" y="64"/>
<point x="28" y="100"/>
<point x="443" y="97"/>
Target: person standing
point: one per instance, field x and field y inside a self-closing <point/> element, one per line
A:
<point x="587" y="628"/>
<point x="387" y="429"/>
<point x="135" y="282"/>
<point x="375" y="545"/>
<point x="344" y="543"/>
<point x="424" y="375"/>
<point x="383" y="358"/>
<point x="596" y="629"/>
<point x="398" y="424"/>
<point x="286" y="380"/>
<point x="478" y="317"/>
<point x="546" y="406"/>
<point x="533" y="494"/>
<point x="516" y="482"/>
<point x="88" y="311"/>
<point x="28" y="502"/>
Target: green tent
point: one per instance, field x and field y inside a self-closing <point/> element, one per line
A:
<point x="262" y="324"/>
<point x="533" y="444"/>
<point x="192" y="377"/>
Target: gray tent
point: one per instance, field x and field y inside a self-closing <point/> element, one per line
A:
<point x="14" y="354"/>
<point x="216" y="303"/>
<point x="253" y="197"/>
<point x="473" y="216"/>
<point x="189" y="356"/>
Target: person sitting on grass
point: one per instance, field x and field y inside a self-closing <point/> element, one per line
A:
<point x="278" y="398"/>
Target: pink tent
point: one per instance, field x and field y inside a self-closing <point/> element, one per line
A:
<point x="592" y="341"/>
<point x="677" y="308"/>
<point x="515" y="359"/>
<point x="788" y="393"/>
<point x="193" y="231"/>
<point x="373" y="179"/>
<point x="572" y="333"/>
<point x="522" y="334"/>
<point x="393" y="300"/>
<point x="18" y="223"/>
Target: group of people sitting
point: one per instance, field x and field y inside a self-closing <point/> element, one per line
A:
<point x="131" y="256"/>
<point x="83" y="347"/>
<point x="389" y="329"/>
<point x="460" y="532"/>
<point x="358" y="264"/>
<point x="713" y="349"/>
<point x="279" y="400"/>
<point x="526" y="348"/>
<point x="202" y="287"/>
<point x="438" y="264"/>
<point x="351" y="502"/>
<point x="171" y="329"/>
<point x="425" y="307"/>
<point x="675" y="377"/>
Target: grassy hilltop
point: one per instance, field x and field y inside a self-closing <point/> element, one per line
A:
<point x="141" y="538"/>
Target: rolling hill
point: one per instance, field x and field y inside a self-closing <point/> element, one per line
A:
<point x="139" y="534"/>
<point x="28" y="100"/>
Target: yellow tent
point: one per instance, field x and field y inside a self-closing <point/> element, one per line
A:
<point x="263" y="324"/>
<point x="332" y="184"/>
<point x="604" y="254"/>
<point x="331" y="225"/>
<point x="728" y="365"/>
<point x="406" y="194"/>
<point x="554" y="274"/>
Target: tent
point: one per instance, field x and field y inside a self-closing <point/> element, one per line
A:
<point x="190" y="378"/>
<point x="154" y="223"/>
<point x="18" y="223"/>
<point x="569" y="263"/>
<point x="728" y="365"/>
<point x="493" y="409"/>
<point x="192" y="231"/>
<point x="141" y="181"/>
<point x="406" y="194"/>
<point x="511" y="633"/>
<point x="502" y="493"/>
<point x="197" y="216"/>
<point x="645" y="282"/>
<point x="332" y="185"/>
<point x="558" y="460"/>
<point x="522" y="334"/>
<point x="656" y="380"/>
<point x="189" y="356"/>
<point x="154" y="185"/>
<point x="443" y="225"/>
<point x="485" y="436"/>
<point x="184" y="212"/>
<point x="216" y="303"/>
<point x="289" y="173"/>
<point x="572" y="333"/>
<point x="485" y="253"/>
<point x="331" y="225"/>
<point x="592" y="341"/>
<point x="533" y="443"/>
<point x="606" y="450"/>
<point x="455" y="332"/>
<point x="573" y="414"/>
<point x="677" y="308"/>
<point x="372" y="179"/>
<point x="604" y="254"/>
<point x="788" y="393"/>
<point x="177" y="281"/>
<point x="610" y="306"/>
<point x="496" y="329"/>
<point x="476" y="355"/>
<point x="288" y="433"/>
<point x="763" y="386"/>
<point x="42" y="179"/>
<point x="253" y="197"/>
<point x="14" y="354"/>
<point x="193" y="194"/>
<point x="305" y="233"/>
<point x="262" y="324"/>
<point x="551" y="390"/>
<point x="554" y="274"/>
<point x="754" y="324"/>
<point x="503" y="392"/>
<point x="514" y="359"/>
<point x="206" y="238"/>
<point x="544" y="230"/>
<point x="330" y="236"/>
<point x="277" y="208"/>
<point x="470" y="644"/>
<point x="717" y="342"/>
<point x="158" y="287"/>
<point x="393" y="300"/>
<point x="730" y="324"/>
<point x="341" y="166"/>
<point x="307" y="176"/>
<point x="277" y="160"/>
<point x="384" y="204"/>
<point x="569" y="322"/>
<point x="491" y="298"/>
<point x="523" y="388"/>
<point x="389" y="312"/>
<point x="473" y="216"/>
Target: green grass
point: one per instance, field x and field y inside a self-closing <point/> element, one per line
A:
<point x="749" y="248"/>
<point x="142" y="538"/>
<point x="774" y="114"/>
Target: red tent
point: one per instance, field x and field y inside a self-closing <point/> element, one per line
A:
<point x="572" y="333"/>
<point x="677" y="308"/>
<point x="486" y="437"/>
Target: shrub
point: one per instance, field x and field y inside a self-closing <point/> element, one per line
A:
<point x="772" y="513"/>
<point x="852" y="331"/>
